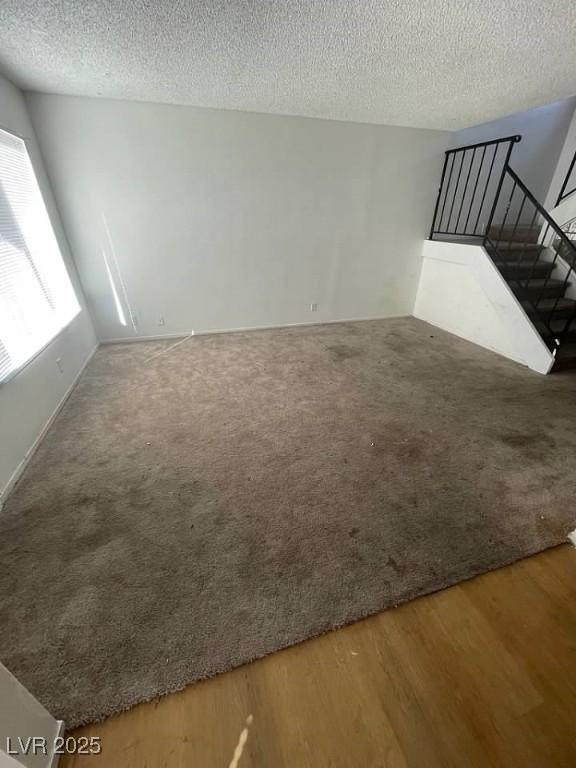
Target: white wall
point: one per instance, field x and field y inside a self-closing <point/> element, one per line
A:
<point x="218" y="220"/>
<point x="28" y="401"/>
<point x="565" y="212"/>
<point x="543" y="131"/>
<point x="22" y="716"/>
<point x="561" y="170"/>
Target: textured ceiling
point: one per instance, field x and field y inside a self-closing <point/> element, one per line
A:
<point x="427" y="63"/>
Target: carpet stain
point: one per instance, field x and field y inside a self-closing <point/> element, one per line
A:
<point x="536" y="444"/>
<point x="343" y="352"/>
<point x="399" y="569"/>
<point x="527" y="439"/>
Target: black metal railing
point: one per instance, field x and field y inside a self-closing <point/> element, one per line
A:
<point x="469" y="187"/>
<point x="482" y="199"/>
<point x="569" y="184"/>
<point x="539" y="269"/>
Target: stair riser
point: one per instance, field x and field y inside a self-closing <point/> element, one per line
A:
<point x="559" y="327"/>
<point x="515" y="254"/>
<point x="567" y="349"/>
<point x="564" y="365"/>
<point x="554" y="329"/>
<point x="520" y="235"/>
<point x="558" y="315"/>
<point x="530" y="271"/>
<point x="549" y="292"/>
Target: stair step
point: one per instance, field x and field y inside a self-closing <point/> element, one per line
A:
<point x="562" y="308"/>
<point x="504" y="247"/>
<point x="513" y="251"/>
<point x="516" y="245"/>
<point x="525" y="269"/>
<point x="534" y="288"/>
<point x="558" y="326"/>
<point x="564" y="364"/>
<point x="522" y="234"/>
<point x="551" y="332"/>
<point x="567" y="349"/>
<point x="566" y="354"/>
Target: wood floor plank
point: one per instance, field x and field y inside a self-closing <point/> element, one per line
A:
<point x="481" y="674"/>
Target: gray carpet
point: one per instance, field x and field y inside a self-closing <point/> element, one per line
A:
<point x="242" y="492"/>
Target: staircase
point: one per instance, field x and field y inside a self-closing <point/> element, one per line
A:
<point x="482" y="201"/>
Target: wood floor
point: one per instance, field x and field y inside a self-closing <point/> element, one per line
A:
<point x="481" y="674"/>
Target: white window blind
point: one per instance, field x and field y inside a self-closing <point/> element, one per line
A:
<point x="36" y="297"/>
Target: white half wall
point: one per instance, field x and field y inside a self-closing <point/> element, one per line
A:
<point x="203" y="219"/>
<point x="8" y="762"/>
<point x="29" y="400"/>
<point x="22" y="716"/>
<point x="462" y="291"/>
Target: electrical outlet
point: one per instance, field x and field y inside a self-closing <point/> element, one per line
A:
<point x="59" y="364"/>
<point x="314" y="307"/>
<point x="161" y="320"/>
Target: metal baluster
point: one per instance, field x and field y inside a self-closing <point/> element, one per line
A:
<point x="506" y="210"/>
<point x="545" y="282"/>
<point x="486" y="187"/>
<point x="500" y="182"/>
<point x="474" y="190"/>
<point x="455" y="190"/>
<point x="447" y="188"/>
<point x="511" y="241"/>
<point x="538" y="252"/>
<point x="465" y="189"/>
<point x="439" y="195"/>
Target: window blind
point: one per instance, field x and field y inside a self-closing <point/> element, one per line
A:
<point x="36" y="297"/>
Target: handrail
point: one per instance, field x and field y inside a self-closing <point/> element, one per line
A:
<point x="561" y="196"/>
<point x="514" y="139"/>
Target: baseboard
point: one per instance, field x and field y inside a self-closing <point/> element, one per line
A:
<point x="32" y="450"/>
<point x="244" y="329"/>
<point x="54" y="759"/>
<point x="159" y="337"/>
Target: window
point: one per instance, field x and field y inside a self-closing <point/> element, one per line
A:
<point x="36" y="297"/>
